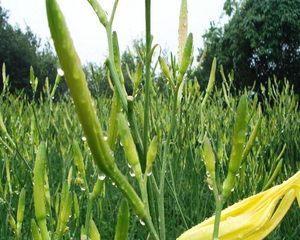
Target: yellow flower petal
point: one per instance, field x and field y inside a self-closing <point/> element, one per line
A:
<point x="282" y="209"/>
<point x="254" y="215"/>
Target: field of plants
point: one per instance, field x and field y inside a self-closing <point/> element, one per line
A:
<point x="151" y="165"/>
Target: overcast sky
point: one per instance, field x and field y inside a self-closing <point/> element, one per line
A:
<point x="89" y="36"/>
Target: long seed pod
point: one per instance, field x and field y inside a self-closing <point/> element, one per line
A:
<point x="20" y="213"/>
<point x="238" y="142"/>
<point x="85" y="109"/>
<point x="122" y="227"/>
<point x="39" y="190"/>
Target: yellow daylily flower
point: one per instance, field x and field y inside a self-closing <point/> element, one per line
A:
<point x="252" y="218"/>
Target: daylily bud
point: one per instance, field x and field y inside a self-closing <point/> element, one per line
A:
<point x="99" y="11"/>
<point x="165" y="68"/>
<point x="187" y="53"/>
<point x="129" y="145"/>
<point x="152" y="151"/>
<point x="123" y="221"/>
<point x="209" y="157"/>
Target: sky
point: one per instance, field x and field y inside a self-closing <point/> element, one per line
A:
<point x="89" y="36"/>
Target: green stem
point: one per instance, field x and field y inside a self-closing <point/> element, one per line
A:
<point x="144" y="191"/>
<point x="148" y="79"/>
<point x="161" y="207"/>
<point x="219" y="206"/>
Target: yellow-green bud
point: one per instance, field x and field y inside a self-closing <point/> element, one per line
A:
<point x="151" y="154"/>
<point x="165" y="68"/>
<point x="129" y="145"/>
<point x="21" y="208"/>
<point x="78" y="159"/>
<point x="98" y="187"/>
<point x="101" y="14"/>
<point x="239" y="135"/>
<point x="35" y="231"/>
<point x="186" y="56"/>
<point x="94" y="233"/>
<point x="123" y="221"/>
<point x="209" y="157"/>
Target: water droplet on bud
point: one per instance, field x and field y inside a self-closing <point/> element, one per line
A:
<point x="142" y="222"/>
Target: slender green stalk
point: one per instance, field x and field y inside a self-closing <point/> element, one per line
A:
<point x="219" y="206"/>
<point x="147" y="80"/>
<point x="161" y="207"/>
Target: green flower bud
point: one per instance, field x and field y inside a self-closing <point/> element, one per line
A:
<point x="98" y="188"/>
<point x="187" y="53"/>
<point x="101" y="14"/>
<point x="35" y="231"/>
<point x="122" y="227"/>
<point x="39" y="195"/>
<point x="151" y="154"/>
<point x="209" y="157"/>
<point x="239" y="135"/>
<point x="20" y="213"/>
<point x="129" y="145"/>
<point x="165" y="68"/>
<point x="94" y="233"/>
<point x="78" y="159"/>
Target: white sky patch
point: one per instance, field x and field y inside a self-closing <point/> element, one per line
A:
<point x="89" y="36"/>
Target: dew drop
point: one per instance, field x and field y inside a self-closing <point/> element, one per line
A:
<point x="149" y="174"/>
<point x="101" y="176"/>
<point x="83" y="138"/>
<point x="132" y="174"/>
<point x="142" y="222"/>
<point x="60" y="72"/>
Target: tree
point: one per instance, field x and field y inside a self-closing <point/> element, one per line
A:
<point x="261" y="39"/>
<point x="19" y="50"/>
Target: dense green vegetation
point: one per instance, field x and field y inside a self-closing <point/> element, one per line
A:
<point x="55" y="123"/>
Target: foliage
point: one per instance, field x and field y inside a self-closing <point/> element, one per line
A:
<point x="56" y="124"/>
<point x="19" y="51"/>
<point x="261" y="39"/>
